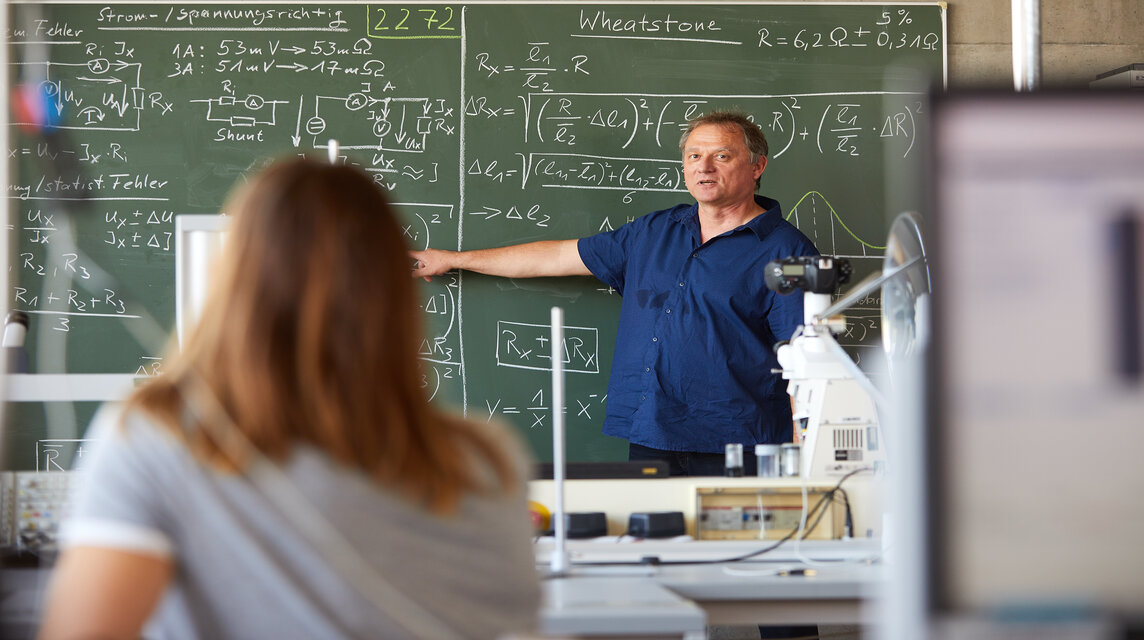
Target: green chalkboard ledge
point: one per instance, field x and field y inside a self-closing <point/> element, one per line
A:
<point x="68" y="387"/>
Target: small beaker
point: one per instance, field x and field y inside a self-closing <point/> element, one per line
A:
<point x="733" y="460"/>
<point x="791" y="459"/>
<point x="767" y="460"/>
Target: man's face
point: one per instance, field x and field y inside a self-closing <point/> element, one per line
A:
<point x="717" y="166"/>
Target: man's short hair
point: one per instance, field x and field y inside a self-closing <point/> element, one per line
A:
<point x="753" y="136"/>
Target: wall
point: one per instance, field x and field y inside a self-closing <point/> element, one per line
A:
<point x="1079" y="40"/>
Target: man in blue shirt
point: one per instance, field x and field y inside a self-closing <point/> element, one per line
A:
<point x="695" y="347"/>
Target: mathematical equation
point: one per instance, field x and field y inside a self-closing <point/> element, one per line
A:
<point x="60" y="454"/>
<point x="830" y="123"/>
<point x="537" y="410"/>
<point x="527" y="346"/>
<point x="59" y="281"/>
<point x="892" y="30"/>
<point x="576" y="171"/>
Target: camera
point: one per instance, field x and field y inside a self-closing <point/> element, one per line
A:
<point x="812" y="274"/>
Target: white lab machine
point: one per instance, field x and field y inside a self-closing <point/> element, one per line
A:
<point x="835" y="402"/>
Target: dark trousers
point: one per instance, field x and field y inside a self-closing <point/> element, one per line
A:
<point x="688" y="463"/>
<point x="775" y="633"/>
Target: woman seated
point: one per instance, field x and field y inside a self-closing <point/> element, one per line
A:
<point x="286" y="477"/>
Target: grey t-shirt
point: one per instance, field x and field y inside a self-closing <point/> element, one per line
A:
<point x="244" y="571"/>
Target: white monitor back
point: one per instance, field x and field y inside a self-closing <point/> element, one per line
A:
<point x="198" y="241"/>
<point x="1036" y="410"/>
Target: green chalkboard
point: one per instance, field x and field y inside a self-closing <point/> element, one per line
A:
<point x="490" y="124"/>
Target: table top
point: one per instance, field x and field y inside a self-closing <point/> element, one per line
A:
<point x="695" y="585"/>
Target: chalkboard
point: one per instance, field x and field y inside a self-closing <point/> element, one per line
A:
<point x="489" y="124"/>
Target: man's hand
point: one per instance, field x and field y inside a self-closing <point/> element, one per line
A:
<point x="431" y="262"/>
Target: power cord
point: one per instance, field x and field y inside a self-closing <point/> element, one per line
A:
<point x="803" y="531"/>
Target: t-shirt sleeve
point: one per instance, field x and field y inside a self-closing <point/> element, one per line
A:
<point x="606" y="254"/>
<point x="785" y="315"/>
<point x="117" y="503"/>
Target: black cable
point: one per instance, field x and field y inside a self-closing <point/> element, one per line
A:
<point x="811" y="526"/>
<point x="848" y="523"/>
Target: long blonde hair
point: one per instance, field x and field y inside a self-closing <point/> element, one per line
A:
<point x="310" y="335"/>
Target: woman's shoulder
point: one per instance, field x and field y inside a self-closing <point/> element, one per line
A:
<point x="117" y="421"/>
<point x="132" y="438"/>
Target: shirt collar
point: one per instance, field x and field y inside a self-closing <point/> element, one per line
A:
<point x="761" y="224"/>
<point x="766" y="221"/>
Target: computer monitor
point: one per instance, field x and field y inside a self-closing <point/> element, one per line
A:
<point x="1035" y="394"/>
<point x="198" y="241"/>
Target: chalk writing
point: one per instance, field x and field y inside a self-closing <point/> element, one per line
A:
<point x="526" y="346"/>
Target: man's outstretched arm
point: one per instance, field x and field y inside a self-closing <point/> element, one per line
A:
<point x="529" y="260"/>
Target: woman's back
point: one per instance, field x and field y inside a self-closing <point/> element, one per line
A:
<point x="245" y="570"/>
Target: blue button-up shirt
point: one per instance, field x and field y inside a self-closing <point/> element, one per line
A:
<point x="695" y="344"/>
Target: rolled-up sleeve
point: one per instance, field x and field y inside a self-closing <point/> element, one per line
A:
<point x="606" y="254"/>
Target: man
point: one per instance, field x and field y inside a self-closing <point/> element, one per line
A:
<point x="695" y="348"/>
